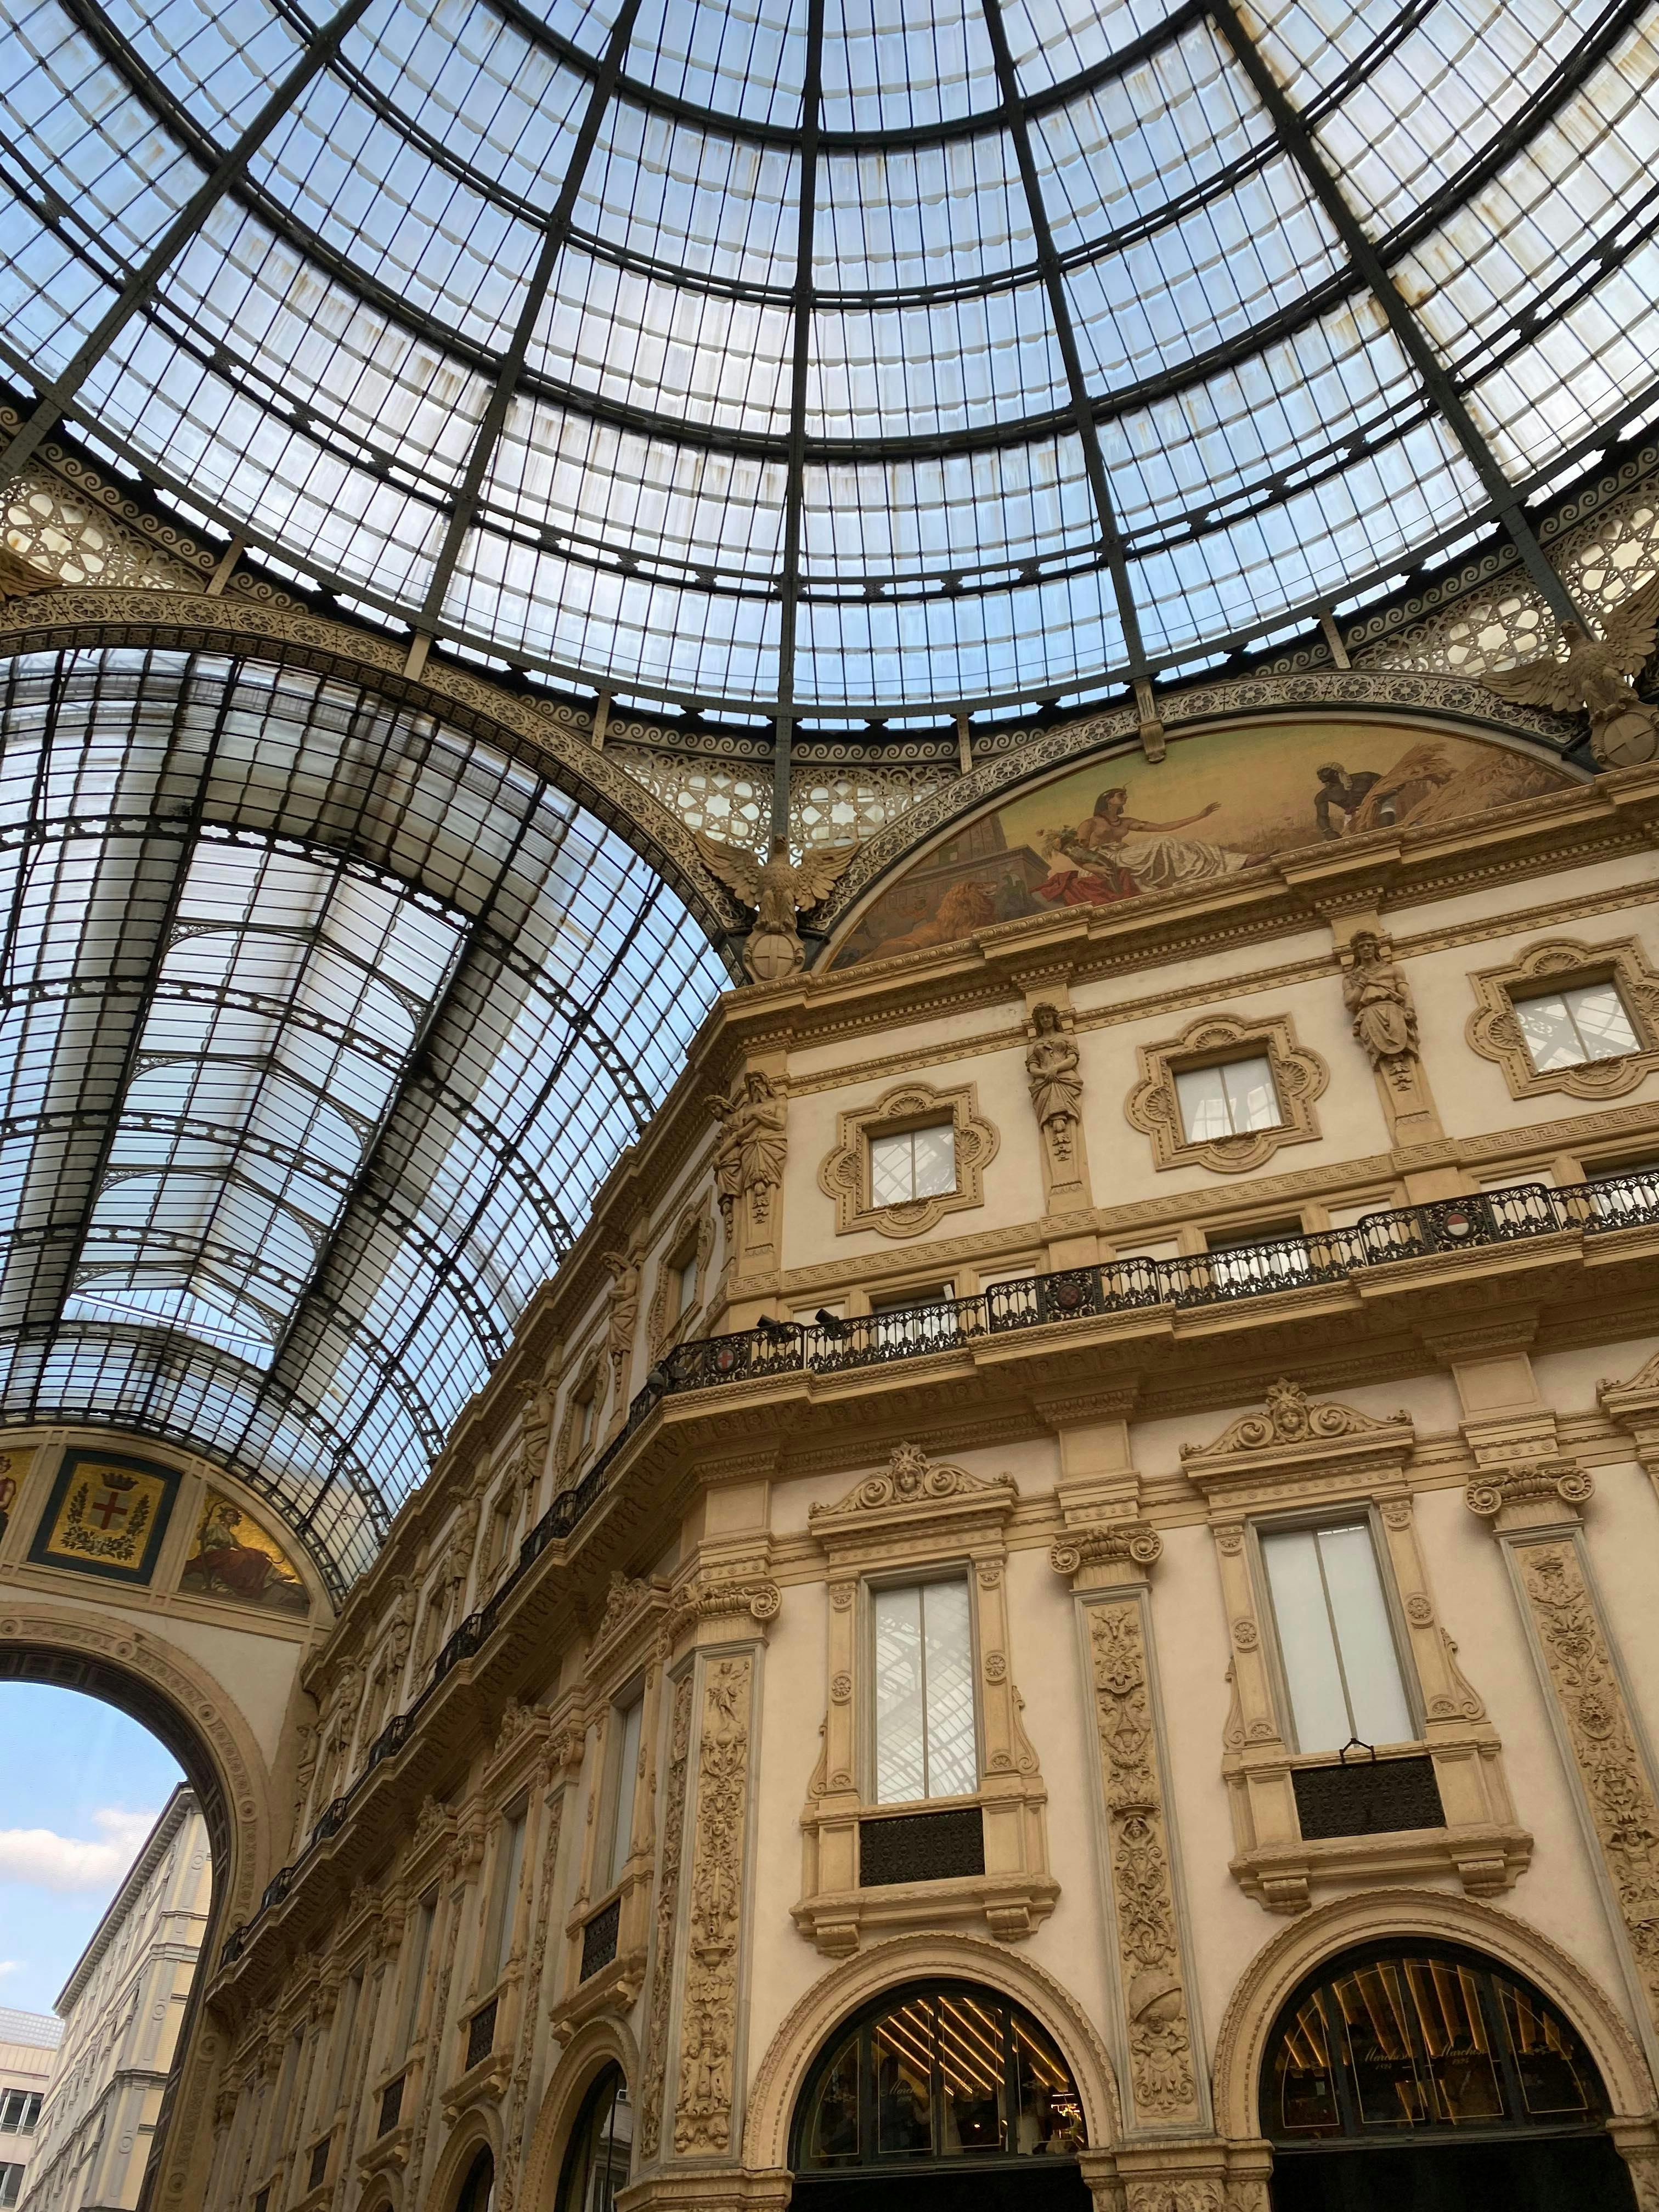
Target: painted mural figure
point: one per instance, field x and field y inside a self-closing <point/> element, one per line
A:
<point x="224" y="1564"/>
<point x="1338" y="800"/>
<point x="1148" y="854"/>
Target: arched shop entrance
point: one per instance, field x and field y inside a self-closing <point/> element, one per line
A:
<point x="935" y="2095"/>
<point x="1416" y="2077"/>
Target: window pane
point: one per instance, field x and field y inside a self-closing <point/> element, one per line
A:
<point x="1252" y="1101"/>
<point x="1306" y="1643"/>
<point x="971" y="2062"/>
<point x="936" y="1161"/>
<point x="891" y="1170"/>
<point x="1604" y="1025"/>
<point x="1050" y="2115"/>
<point x="1304" y="2092"/>
<point x="1202" y="1094"/>
<point x="1354" y="1585"/>
<point x="1547" y="2063"/>
<point x="512" y="1865"/>
<point x="952" y="1750"/>
<point x="832" y="2130"/>
<point x="903" y="2050"/>
<point x="1386" y="2083"/>
<point x="1452" y="2033"/>
<point x="687" y="1287"/>
<point x="1551" y="1039"/>
<point x="627" y="1775"/>
<point x="900" y="1771"/>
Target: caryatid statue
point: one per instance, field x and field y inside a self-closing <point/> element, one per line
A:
<point x="1056" y="1085"/>
<point x="753" y="1146"/>
<point x="1379" y="1001"/>
<point x="1595" y="679"/>
<point x="778" y="889"/>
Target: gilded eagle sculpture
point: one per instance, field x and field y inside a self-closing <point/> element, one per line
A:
<point x="1595" y="679"/>
<point x="778" y="889"/>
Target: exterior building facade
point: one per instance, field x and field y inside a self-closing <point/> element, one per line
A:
<point x="1060" y="1588"/>
<point x="27" y="2040"/>
<point x="122" y="2011"/>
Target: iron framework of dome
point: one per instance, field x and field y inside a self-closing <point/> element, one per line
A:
<point x="845" y="357"/>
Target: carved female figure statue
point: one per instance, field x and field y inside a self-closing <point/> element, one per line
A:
<point x="753" y="1145"/>
<point x="1051" y="1070"/>
<point x="623" y="1310"/>
<point x="1378" y="998"/>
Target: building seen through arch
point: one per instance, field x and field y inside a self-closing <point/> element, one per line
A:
<point x="829" y="1097"/>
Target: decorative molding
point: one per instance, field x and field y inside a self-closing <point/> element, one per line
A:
<point x="1115" y="1543"/>
<point x="1164" y="2066"/>
<point x="1497" y="1492"/>
<point x="1289" y="1419"/>
<point x="1604" y="1739"/>
<point x="656" y="2064"/>
<point x="706" y="2083"/>
<point x="1493" y="1031"/>
<point x="844" y="1175"/>
<point x="911" y="1481"/>
<point x="1300" y="1077"/>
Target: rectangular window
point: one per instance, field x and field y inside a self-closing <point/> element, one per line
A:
<point x="1335" y="1639"/>
<point x="1627" y="1192"/>
<point x="508" y="1864"/>
<point x="927" y="1741"/>
<point x="11" y="2181"/>
<point x="913" y="1319"/>
<point x="419" y="1942"/>
<point x="1228" y="1101"/>
<point x="915" y="1164"/>
<point x="587" y="1410"/>
<point x="625" y="1724"/>
<point x="685" y="1286"/>
<point x="1582" y="1022"/>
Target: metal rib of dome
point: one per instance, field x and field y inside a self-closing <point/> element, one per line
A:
<point x="320" y="1025"/>
<point x="848" y="356"/>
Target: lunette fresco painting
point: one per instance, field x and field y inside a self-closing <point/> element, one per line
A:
<point x="1119" y="828"/>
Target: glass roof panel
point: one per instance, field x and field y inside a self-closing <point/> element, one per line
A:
<point x="315" y="367"/>
<point x="321" y="1026"/>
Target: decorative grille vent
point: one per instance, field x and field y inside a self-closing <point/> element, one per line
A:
<point x="922" y="1847"/>
<point x="1367" y="1798"/>
<point x="600" y="1938"/>
<point x="481" y="2035"/>
<point x="392" y="2105"/>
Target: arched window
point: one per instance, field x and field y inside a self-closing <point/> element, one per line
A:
<point x="601" y="2148"/>
<point x="1467" y="2082"/>
<point x="478" y="2189"/>
<point x="943" y="2076"/>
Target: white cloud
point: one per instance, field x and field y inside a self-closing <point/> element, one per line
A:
<point x="48" y="1860"/>
<point x="10" y="1966"/>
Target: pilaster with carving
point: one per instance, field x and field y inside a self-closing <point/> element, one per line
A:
<point x="708" y="2120"/>
<point x="1164" y="2081"/>
<point x="1535" y="1513"/>
<point x="1298" y="1455"/>
<point x="664" y="1920"/>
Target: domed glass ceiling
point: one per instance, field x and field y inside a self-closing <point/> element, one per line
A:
<point x="857" y="356"/>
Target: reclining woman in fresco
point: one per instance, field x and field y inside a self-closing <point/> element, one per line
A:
<point x="1114" y="854"/>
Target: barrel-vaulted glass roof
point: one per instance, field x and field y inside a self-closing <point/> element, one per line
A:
<point x="320" y="1025"/>
<point x="857" y="356"/>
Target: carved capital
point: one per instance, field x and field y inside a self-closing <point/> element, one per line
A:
<point x="1122" y="1542"/>
<point x="1530" y="1484"/>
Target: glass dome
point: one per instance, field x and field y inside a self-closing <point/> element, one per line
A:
<point x="863" y="356"/>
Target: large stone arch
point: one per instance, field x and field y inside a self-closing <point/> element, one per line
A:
<point x="596" y="2044"/>
<point x="1380" y="1915"/>
<point x="147" y="1674"/>
<point x="801" y="2035"/>
<point x="477" y="2129"/>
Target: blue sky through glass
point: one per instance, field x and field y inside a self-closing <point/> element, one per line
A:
<point x="82" y="1786"/>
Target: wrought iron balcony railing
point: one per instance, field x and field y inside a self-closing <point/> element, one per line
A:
<point x="831" y="1345"/>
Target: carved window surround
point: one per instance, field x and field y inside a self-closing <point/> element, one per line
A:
<point x="1293" y="1459"/>
<point x="627" y="1647"/>
<point x="844" y="1175"/>
<point x="588" y="1388"/>
<point x="916" y="1517"/>
<point x="1493" y="1032"/>
<point x="692" y="1244"/>
<point x="1300" y="1076"/>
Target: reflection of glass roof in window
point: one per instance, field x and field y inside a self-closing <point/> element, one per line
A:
<point x="319" y="1027"/>
<point x="869" y="354"/>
